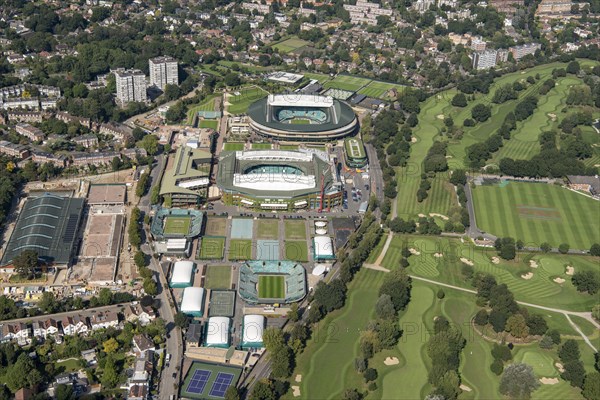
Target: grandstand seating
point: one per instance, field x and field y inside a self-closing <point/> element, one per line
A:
<point x="158" y="222"/>
<point x="295" y="279"/>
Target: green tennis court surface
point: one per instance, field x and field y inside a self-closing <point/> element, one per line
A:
<point x="177" y="225"/>
<point x="271" y="287"/>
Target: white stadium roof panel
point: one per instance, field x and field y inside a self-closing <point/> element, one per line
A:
<point x="182" y="272"/>
<point x="254" y="326"/>
<point x="217" y="332"/>
<point x="192" y="301"/>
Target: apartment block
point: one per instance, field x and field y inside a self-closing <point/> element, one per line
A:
<point x="163" y="71"/>
<point x="31" y="132"/>
<point x="13" y="150"/>
<point x="484" y="59"/>
<point x="519" y="52"/>
<point x="131" y="85"/>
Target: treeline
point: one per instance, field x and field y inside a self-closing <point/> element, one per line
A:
<point x="10" y="180"/>
<point x="135" y="227"/>
<point x="435" y="161"/>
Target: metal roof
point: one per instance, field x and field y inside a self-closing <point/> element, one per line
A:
<point x="47" y="224"/>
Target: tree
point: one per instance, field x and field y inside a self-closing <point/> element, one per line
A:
<point x="595" y="249"/>
<point x="110" y="377"/>
<point x="150" y="287"/>
<point x="569" y="351"/>
<point x="497" y="367"/>
<point x="352" y="394"/>
<point x="546" y="342"/>
<point x="397" y="285"/>
<point x="501" y="352"/>
<point x="181" y="320"/>
<point x="26" y="263"/>
<point x="48" y="303"/>
<point x="232" y="79"/>
<point x="105" y="297"/>
<point x="459" y="177"/>
<point x="537" y="324"/>
<point x="591" y="386"/>
<point x="110" y="346"/>
<point x="554" y="335"/>
<point x="517" y="326"/>
<point x="481" y="318"/>
<point x="384" y="307"/>
<point x="150" y="144"/>
<point x="65" y="392"/>
<point x="518" y="381"/>
<point x="262" y="390"/>
<point x="573" y="68"/>
<point x="140" y="259"/>
<point x="332" y="295"/>
<point x="22" y="374"/>
<point x="563" y="248"/>
<point x="587" y="281"/>
<point x="481" y="112"/>
<point x="294" y="314"/>
<point x="232" y="393"/>
<point x="459" y="100"/>
<point x="574" y="373"/>
<point x="172" y="92"/>
<point x="370" y="374"/>
<point x="545" y="247"/>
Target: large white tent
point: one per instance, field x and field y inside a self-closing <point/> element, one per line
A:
<point x="183" y="274"/>
<point x="323" y="248"/>
<point x="192" y="302"/>
<point x="252" y="332"/>
<point x="217" y="332"/>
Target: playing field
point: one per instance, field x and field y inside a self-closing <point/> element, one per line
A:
<point x="207" y="104"/>
<point x="380" y="89"/>
<point x="346" y="82"/>
<point x="537" y="213"/>
<point x="271" y="286"/>
<point x="177" y="225"/>
<point x="209" y="381"/>
<point x="208" y="123"/>
<point x="211" y="248"/>
<point x="296" y="250"/>
<point x="295" y="229"/>
<point x="262" y="146"/>
<point x="239" y="101"/>
<point x="300" y="121"/>
<point x="268" y="229"/>
<point x="218" y="277"/>
<point x="240" y="249"/>
<point x="290" y="45"/>
<point x="215" y="226"/>
<point x="233" y="146"/>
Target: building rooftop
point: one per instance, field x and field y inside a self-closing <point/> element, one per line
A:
<point x="190" y="168"/>
<point x="107" y="194"/>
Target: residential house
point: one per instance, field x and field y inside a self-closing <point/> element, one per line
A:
<point x="90" y="357"/>
<point x="144" y="315"/>
<point x="193" y="335"/>
<point x="41" y="157"/>
<point x="87" y="141"/>
<point x="97" y="159"/>
<point x="104" y="319"/>
<point x="75" y="325"/>
<point x="119" y="131"/>
<point x="141" y="344"/>
<point x="14" y="150"/>
<point x="31" y="132"/>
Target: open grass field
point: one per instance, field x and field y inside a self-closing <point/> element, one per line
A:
<point x="177" y="225"/>
<point x="537" y="213"/>
<point x="346" y="82"/>
<point x="591" y="137"/>
<point x="208" y="123"/>
<point x="296" y="250"/>
<point x="239" y="101"/>
<point x="233" y="146"/>
<point x="271" y="286"/>
<point x="322" y="78"/>
<point x="288" y="147"/>
<point x="208" y="104"/>
<point x="540" y="289"/>
<point x="202" y="388"/>
<point x="289" y="45"/>
<point x="240" y="249"/>
<point x="380" y="89"/>
<point x="211" y="248"/>
<point x="215" y="226"/>
<point x="218" y="277"/>
<point x="262" y="146"/>
<point x="267" y="229"/>
<point x="295" y="229"/>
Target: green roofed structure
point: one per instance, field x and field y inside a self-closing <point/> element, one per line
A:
<point x="302" y="118"/>
<point x="187" y="177"/>
<point x="278" y="179"/>
<point x="48" y="224"/>
<point x="354" y="152"/>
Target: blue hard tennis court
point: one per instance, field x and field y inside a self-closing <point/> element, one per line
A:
<point x="222" y="382"/>
<point x="199" y="381"/>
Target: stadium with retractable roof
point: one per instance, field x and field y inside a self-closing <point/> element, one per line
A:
<point x="302" y="118"/>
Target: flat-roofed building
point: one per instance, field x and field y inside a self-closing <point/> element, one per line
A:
<point x="163" y="71"/>
<point x="107" y="195"/>
<point x="131" y="85"/>
<point x="523" y="50"/>
<point x="187" y="176"/>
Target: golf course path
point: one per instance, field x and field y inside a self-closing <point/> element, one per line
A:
<point x="388" y="241"/>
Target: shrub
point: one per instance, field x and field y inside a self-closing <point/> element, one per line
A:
<point x="497" y="367"/>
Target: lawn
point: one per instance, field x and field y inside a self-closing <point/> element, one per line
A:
<point x="215" y="226"/>
<point x="211" y="248"/>
<point x="380" y="89"/>
<point x="208" y="123"/>
<point x="233" y="146"/>
<point x="289" y="45"/>
<point x="239" y="101"/>
<point x="322" y="78"/>
<point x="288" y="147"/>
<point x="295" y="229"/>
<point x="240" y="249"/>
<point x="346" y="82"/>
<point x="536" y="213"/>
<point x="296" y="250"/>
<point x="177" y="225"/>
<point x="218" y="277"/>
<point x="267" y="229"/>
<point x="271" y="286"/>
<point x="261" y="146"/>
<point x="208" y="104"/>
<point x="300" y="121"/>
<point x="68" y="365"/>
<point x="540" y="289"/>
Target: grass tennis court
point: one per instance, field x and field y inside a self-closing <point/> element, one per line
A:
<point x="268" y="229"/>
<point x="346" y="82"/>
<point x="222" y="303"/>
<point x="233" y="146"/>
<point x="218" y="277"/>
<point x="300" y="121"/>
<point x="208" y="123"/>
<point x="215" y="226"/>
<point x="289" y="45"/>
<point x="288" y="147"/>
<point x="261" y="146"/>
<point x="211" y="248"/>
<point x="295" y="229"/>
<point x="380" y="89"/>
<point x="177" y="225"/>
<point x="239" y="101"/>
<point x="240" y="249"/>
<point x="200" y="380"/>
<point x="296" y="250"/>
<point x="271" y="286"/>
<point x="537" y="213"/>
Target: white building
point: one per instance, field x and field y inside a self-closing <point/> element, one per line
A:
<point x="131" y="85"/>
<point x="192" y="301"/>
<point x="217" y="332"/>
<point x="484" y="59"/>
<point x="74" y="325"/>
<point x="163" y="71"/>
<point x="183" y="274"/>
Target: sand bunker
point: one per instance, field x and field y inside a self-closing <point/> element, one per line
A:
<point x="422" y="216"/>
<point x="438" y="255"/>
<point x="559" y="367"/>
<point x="440" y="116"/>
<point x="559" y="280"/>
<point x="391" y="361"/>
<point x="570" y="270"/>
<point x="465" y="388"/>
<point x="296" y="391"/>
<point x="552" y="116"/>
<point x="298" y="378"/>
<point x="533" y="264"/>
<point x="527" y="276"/>
<point x="413" y="139"/>
<point x="442" y="216"/>
<point x="414" y="251"/>
<point x="467" y="261"/>
<point x="495" y="260"/>
<point x="549" y="381"/>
